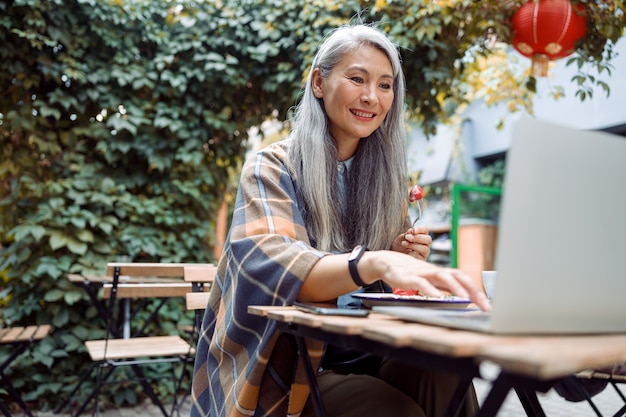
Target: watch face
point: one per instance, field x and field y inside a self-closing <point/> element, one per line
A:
<point x="354" y="253"/>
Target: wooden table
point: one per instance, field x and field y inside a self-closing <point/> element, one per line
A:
<point x="527" y="363"/>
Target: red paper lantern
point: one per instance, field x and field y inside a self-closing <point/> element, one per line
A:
<point x="545" y="30"/>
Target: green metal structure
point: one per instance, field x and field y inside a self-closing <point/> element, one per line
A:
<point x="481" y="202"/>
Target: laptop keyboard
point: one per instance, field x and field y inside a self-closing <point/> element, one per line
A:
<point x="472" y="316"/>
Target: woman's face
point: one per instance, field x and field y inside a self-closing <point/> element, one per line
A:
<point x="357" y="94"/>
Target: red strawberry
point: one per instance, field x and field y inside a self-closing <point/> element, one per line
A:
<point x="399" y="291"/>
<point x="416" y="194"/>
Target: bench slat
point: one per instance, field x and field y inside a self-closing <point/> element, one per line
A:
<point x="148" y="290"/>
<point x="24" y="334"/>
<point x="11" y="334"/>
<point x="138" y="347"/>
<point x="197" y="300"/>
<point x="200" y="274"/>
<point x="94" y="279"/>
<point x="42" y="331"/>
<point x="151" y="269"/>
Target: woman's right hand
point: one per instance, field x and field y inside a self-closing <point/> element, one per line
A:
<point x="400" y="270"/>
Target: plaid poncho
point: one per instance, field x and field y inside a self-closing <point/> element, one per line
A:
<point x="244" y="366"/>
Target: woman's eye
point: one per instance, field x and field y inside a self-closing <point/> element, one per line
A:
<point x="358" y="80"/>
<point x="385" y="86"/>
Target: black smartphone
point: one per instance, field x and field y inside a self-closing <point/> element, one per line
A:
<point x="328" y="309"/>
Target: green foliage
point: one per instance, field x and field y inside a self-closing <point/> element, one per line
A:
<point x="482" y="200"/>
<point x="123" y="125"/>
<point x="492" y="175"/>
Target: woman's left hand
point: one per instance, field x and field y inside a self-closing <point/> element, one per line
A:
<point x="415" y="242"/>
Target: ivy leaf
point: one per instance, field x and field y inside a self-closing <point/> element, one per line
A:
<point x="54" y="295"/>
<point x="36" y="231"/>
<point x="122" y="123"/>
<point x="102" y="246"/>
<point x="61" y="319"/>
<point x="43" y="357"/>
<point x="106" y="227"/>
<point x="48" y="268"/>
<point x="72" y="297"/>
<point x="47" y="111"/>
<point x="76" y="247"/>
<point x="57" y="240"/>
<point x="85" y="235"/>
<point x="78" y="222"/>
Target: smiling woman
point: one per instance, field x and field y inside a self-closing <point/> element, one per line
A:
<point x="319" y="216"/>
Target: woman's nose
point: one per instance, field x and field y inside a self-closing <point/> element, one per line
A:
<point x="369" y="94"/>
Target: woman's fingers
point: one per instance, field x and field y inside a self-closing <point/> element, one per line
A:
<point x="408" y="273"/>
<point x="460" y="284"/>
<point x="433" y="280"/>
<point x="417" y="242"/>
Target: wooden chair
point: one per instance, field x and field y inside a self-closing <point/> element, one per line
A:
<point x="19" y="339"/>
<point x="201" y="279"/>
<point x="588" y="383"/>
<point x="613" y="376"/>
<point x="133" y="348"/>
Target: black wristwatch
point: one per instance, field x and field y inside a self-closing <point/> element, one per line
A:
<point x="353" y="259"/>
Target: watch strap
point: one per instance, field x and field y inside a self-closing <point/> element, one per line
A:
<point x="353" y="260"/>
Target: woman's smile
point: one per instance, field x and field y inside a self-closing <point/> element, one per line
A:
<point x="362" y="114"/>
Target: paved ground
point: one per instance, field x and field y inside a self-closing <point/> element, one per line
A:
<point x="608" y="401"/>
<point x="555" y="406"/>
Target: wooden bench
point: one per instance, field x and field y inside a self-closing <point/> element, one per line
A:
<point x="19" y="338"/>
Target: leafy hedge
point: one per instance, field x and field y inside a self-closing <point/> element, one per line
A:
<point x="123" y="125"/>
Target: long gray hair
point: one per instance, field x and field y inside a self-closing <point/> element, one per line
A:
<point x="377" y="189"/>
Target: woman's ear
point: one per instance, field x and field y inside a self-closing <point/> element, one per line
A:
<point x="316" y="83"/>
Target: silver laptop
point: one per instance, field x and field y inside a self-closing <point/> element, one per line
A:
<point x="561" y="251"/>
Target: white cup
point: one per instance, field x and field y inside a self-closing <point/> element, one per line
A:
<point x="489" y="282"/>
